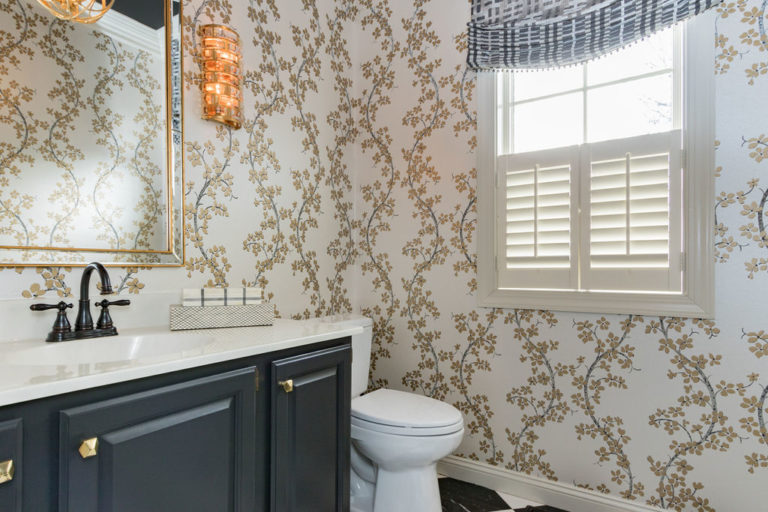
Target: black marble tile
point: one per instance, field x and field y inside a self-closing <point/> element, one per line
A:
<point x="458" y="496"/>
<point x="542" y="508"/>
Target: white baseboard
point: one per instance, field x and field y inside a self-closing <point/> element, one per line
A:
<point x="540" y="490"/>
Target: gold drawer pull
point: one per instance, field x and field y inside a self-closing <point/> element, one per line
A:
<point x="287" y="385"/>
<point x="7" y="470"/>
<point x="89" y="448"/>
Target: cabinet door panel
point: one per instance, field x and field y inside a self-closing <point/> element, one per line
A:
<point x="310" y="432"/>
<point x="185" y="447"/>
<point x="184" y="473"/>
<point x="11" y="450"/>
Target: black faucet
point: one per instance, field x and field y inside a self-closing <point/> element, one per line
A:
<point x="84" y="323"/>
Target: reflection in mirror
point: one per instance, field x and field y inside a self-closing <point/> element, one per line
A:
<point x="90" y="136"/>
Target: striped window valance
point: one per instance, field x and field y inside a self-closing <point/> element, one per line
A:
<point x="536" y="34"/>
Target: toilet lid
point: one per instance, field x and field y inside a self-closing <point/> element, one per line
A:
<point x="359" y="426"/>
<point x="401" y="409"/>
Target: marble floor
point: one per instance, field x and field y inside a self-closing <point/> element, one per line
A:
<point x="458" y="496"/>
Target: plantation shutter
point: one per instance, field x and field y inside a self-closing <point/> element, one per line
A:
<point x="631" y="207"/>
<point x="537" y="243"/>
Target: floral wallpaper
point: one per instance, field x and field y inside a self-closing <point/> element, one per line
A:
<point x="352" y="187"/>
<point x="663" y="411"/>
<point x="81" y="153"/>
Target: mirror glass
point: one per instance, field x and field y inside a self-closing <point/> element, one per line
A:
<point x="90" y="136"/>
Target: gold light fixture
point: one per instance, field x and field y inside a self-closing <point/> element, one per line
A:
<point x="81" y="11"/>
<point x="220" y="58"/>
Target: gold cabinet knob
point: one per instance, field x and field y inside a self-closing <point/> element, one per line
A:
<point x="89" y="448"/>
<point x="287" y="385"/>
<point x="7" y="470"/>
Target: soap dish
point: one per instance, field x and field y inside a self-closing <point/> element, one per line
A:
<point x="217" y="317"/>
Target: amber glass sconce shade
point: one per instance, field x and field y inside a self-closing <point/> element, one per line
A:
<point x="220" y="57"/>
<point x="81" y="11"/>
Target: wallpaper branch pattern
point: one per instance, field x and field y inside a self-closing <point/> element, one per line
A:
<point x="148" y="119"/>
<point x="268" y="243"/>
<point x="343" y="249"/>
<point x="466" y="361"/>
<point x="378" y="196"/>
<point x="613" y="355"/>
<point x="539" y="408"/>
<point x="755" y="404"/>
<point x="204" y="203"/>
<point x="352" y="187"/>
<point x="26" y="128"/>
<point x="302" y="80"/>
<point x="104" y="124"/>
<point x="63" y="152"/>
<point x="428" y="248"/>
<point x="710" y="432"/>
<point x="58" y="147"/>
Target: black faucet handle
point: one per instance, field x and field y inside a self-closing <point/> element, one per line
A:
<point x="107" y="303"/>
<point x="61" y="306"/>
<point x="105" y="319"/>
<point x="61" y="326"/>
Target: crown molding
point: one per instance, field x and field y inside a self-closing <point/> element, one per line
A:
<point x="126" y="30"/>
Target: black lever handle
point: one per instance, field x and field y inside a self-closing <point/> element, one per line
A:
<point x="105" y="319"/>
<point x="61" y="326"/>
<point x="106" y="303"/>
<point x="61" y="306"/>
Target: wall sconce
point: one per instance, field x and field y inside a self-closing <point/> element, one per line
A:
<point x="220" y="57"/>
<point x="81" y="11"/>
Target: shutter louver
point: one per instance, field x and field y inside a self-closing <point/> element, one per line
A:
<point x="536" y="191"/>
<point x="539" y="217"/>
<point x="634" y="202"/>
<point x="630" y="212"/>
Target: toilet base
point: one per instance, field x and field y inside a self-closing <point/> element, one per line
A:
<point x="406" y="490"/>
<point x="361" y="504"/>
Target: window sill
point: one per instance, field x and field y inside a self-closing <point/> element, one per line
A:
<point x="598" y="302"/>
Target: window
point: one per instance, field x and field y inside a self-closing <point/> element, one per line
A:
<point x="596" y="181"/>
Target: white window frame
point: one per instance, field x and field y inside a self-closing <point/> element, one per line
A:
<point x="698" y="125"/>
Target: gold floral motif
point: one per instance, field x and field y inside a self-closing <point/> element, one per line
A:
<point x="697" y="423"/>
<point x="50" y="111"/>
<point x="613" y="360"/>
<point x="409" y="107"/>
<point x="754" y="39"/>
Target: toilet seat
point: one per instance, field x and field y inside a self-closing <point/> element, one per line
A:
<point x="404" y="414"/>
<point x="357" y="423"/>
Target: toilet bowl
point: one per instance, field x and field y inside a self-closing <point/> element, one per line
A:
<point x="397" y="438"/>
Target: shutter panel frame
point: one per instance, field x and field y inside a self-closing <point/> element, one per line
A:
<point x="642" y="268"/>
<point x="530" y="230"/>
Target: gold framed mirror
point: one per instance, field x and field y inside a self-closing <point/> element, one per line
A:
<point x="91" y="138"/>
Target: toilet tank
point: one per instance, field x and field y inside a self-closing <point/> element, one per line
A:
<point x="361" y="347"/>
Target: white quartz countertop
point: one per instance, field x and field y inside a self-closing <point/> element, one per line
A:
<point x="33" y="369"/>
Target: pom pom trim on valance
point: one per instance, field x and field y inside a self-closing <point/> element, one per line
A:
<point x="540" y="34"/>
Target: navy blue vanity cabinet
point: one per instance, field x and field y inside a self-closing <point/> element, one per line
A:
<point x="310" y="431"/>
<point x="10" y="465"/>
<point x="234" y="436"/>
<point x="187" y="447"/>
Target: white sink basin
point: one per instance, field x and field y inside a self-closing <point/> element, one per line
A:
<point x="110" y="349"/>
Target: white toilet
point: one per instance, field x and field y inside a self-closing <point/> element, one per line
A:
<point x="397" y="438"/>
